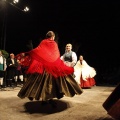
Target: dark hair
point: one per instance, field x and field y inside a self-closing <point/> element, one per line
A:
<point x="50" y="34"/>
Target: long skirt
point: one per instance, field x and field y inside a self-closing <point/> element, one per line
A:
<point x="88" y="83"/>
<point x="45" y="86"/>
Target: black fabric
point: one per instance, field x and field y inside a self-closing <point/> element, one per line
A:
<point x="2" y="73"/>
<point x="68" y="57"/>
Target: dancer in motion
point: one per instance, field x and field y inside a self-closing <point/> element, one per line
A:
<point x="48" y="76"/>
<point x="84" y="74"/>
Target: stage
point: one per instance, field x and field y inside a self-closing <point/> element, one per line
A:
<point x="87" y="106"/>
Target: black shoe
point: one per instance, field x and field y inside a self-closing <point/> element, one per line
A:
<point x="60" y="95"/>
<point x="30" y="98"/>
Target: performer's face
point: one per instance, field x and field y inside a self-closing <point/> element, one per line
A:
<point x="12" y="56"/>
<point x="68" y="47"/>
<point x="81" y="58"/>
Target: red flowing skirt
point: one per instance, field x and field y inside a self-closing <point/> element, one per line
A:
<point x="86" y="84"/>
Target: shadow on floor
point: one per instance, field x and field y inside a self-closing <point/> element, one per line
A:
<point x="38" y="107"/>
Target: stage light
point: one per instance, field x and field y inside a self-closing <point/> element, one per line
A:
<point x="26" y="9"/>
<point x="15" y="1"/>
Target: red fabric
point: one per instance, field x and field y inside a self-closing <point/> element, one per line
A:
<point x="47" y="57"/>
<point x="89" y="83"/>
<point x="47" y="51"/>
<point x="24" y="60"/>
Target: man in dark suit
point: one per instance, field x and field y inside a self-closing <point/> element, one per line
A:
<point x="11" y="69"/>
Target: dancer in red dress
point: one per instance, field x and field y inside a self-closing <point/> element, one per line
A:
<point x="84" y="74"/>
<point x="48" y="76"/>
<point x="24" y="61"/>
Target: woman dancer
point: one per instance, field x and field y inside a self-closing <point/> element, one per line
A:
<point x="48" y="76"/>
<point x="84" y="74"/>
